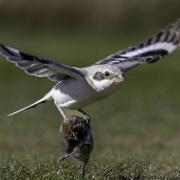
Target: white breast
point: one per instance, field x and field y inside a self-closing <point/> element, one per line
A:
<point x="73" y="94"/>
<point x="76" y="94"/>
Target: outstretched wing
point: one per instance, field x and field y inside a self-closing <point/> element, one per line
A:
<point x="39" y="67"/>
<point x="162" y="44"/>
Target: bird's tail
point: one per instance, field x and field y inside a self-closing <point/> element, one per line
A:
<point x="42" y="100"/>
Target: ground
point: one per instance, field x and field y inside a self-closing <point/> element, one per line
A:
<point x="136" y="131"/>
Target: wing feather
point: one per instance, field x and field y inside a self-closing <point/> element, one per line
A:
<point x="40" y="67"/>
<point x="160" y="45"/>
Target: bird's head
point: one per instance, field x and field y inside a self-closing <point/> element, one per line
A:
<point x="104" y="77"/>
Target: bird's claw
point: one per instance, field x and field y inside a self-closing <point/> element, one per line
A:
<point x="86" y="115"/>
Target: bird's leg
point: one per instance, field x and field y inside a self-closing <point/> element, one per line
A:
<point x="86" y="115"/>
<point x="82" y="168"/>
<point x="61" y="112"/>
<point x="62" y="158"/>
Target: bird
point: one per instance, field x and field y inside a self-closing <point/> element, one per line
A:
<point x="77" y="88"/>
<point x="78" y="140"/>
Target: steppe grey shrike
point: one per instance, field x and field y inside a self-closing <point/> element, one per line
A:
<point x="79" y="87"/>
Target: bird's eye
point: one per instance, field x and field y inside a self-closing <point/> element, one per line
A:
<point x="106" y="73"/>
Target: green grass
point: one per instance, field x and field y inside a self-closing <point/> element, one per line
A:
<point x="136" y="131"/>
<point x="12" y="169"/>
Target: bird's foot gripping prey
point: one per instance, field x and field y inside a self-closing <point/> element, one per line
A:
<point x="78" y="139"/>
<point x="78" y="87"/>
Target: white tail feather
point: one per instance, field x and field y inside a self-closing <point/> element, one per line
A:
<point x="43" y="100"/>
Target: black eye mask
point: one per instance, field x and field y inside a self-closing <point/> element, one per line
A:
<point x="99" y="76"/>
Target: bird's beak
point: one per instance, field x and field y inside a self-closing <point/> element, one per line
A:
<point x="118" y="79"/>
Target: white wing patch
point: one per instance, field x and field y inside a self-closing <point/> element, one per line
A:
<point x="162" y="44"/>
<point x="170" y="47"/>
